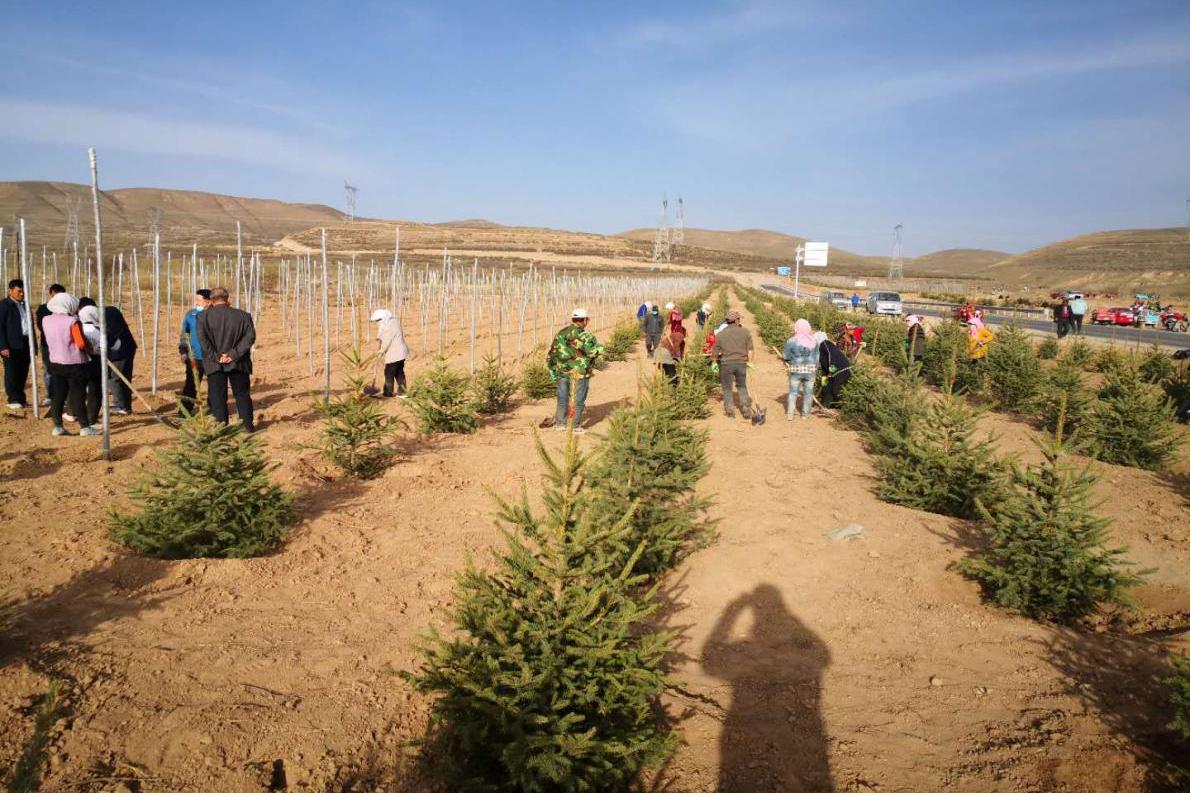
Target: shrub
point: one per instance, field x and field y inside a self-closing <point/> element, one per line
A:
<point x="1063" y="398"/>
<point x="946" y="352"/>
<point x="696" y="382"/>
<point x="1109" y="358"/>
<point x="354" y="427"/>
<point x="536" y="382"/>
<point x="209" y="496"/>
<point x="1012" y="370"/>
<point x="1048" y="349"/>
<point x="648" y="466"/>
<point x="938" y="465"/>
<point x="550" y="678"/>
<point x="1078" y="354"/>
<point x="1156" y="366"/>
<point x="871" y="401"/>
<point x="1131" y="423"/>
<point x="1047" y="557"/>
<point x="492" y="389"/>
<point x="624" y="337"/>
<point x="1177" y="388"/>
<point x="441" y="400"/>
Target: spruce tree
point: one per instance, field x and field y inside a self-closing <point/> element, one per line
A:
<point x="1180" y="692"/>
<point x="442" y="401"/>
<point x="1048" y="349"/>
<point x="648" y="466"/>
<point x="1047" y="556"/>
<point x="1131" y="425"/>
<point x="1156" y="366"/>
<point x="355" y="430"/>
<point x="1064" y="397"/>
<point x="209" y="496"/>
<point x="1013" y="371"/>
<point x="492" y="388"/>
<point x="938" y="465"/>
<point x="550" y="678"/>
<point x="1110" y="358"/>
<point x="1078" y="354"/>
<point x="946" y="351"/>
<point x="536" y="382"/>
<point x="621" y="341"/>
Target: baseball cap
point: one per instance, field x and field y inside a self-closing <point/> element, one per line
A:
<point x="579" y="313"/>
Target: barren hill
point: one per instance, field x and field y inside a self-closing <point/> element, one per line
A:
<point x="1114" y="261"/>
<point x="773" y="246"/>
<point x="187" y="216"/>
<point x="955" y="262"/>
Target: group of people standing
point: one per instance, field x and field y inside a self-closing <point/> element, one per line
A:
<point x="1068" y="315"/>
<point x="216" y="342"/>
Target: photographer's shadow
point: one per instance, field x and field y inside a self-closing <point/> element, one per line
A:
<point x="773" y="735"/>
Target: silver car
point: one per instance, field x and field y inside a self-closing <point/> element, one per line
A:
<point x="887" y="303"/>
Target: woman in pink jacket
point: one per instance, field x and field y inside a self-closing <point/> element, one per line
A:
<point x="70" y="361"/>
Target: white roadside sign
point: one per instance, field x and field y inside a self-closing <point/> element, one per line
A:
<point x="815" y="254"/>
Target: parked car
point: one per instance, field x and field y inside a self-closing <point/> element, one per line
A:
<point x="1119" y="315"/>
<point x="888" y="303"/>
<point x="837" y="299"/>
<point x="1174" y="320"/>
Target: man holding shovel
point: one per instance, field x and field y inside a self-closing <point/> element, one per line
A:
<point x="571" y="361"/>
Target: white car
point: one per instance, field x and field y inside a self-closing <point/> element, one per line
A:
<point x="888" y="303"/>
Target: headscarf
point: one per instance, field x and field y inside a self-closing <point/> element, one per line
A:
<point x="63" y="303"/>
<point x="912" y="320"/>
<point x="89" y="315"/>
<point x="975" y="325"/>
<point x="380" y="315"/>
<point x="804" y="335"/>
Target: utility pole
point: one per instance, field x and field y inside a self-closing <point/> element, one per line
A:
<point x="896" y="270"/>
<point x="73" y="203"/>
<point x="679" y="235"/>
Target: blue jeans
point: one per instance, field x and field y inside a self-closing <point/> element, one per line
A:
<point x="806" y="384"/>
<point x="564" y="400"/>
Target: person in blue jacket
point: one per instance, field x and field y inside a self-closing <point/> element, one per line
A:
<point x="190" y="349"/>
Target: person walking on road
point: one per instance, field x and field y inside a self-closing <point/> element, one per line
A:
<point x="571" y="360"/>
<point x="855" y="302"/>
<point x="190" y="351"/>
<point x="226" y="335"/>
<point x="1079" y="308"/>
<point x="1062" y="317"/>
<point x="652" y="325"/>
<point x="14" y="344"/>
<point x="733" y="352"/>
<point x="391" y="346"/>
<point x="801" y="355"/>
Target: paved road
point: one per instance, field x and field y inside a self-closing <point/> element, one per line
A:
<point x="1140" y="336"/>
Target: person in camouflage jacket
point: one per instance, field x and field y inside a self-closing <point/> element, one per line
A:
<point x="572" y="356"/>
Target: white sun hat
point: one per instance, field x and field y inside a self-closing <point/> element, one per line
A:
<point x="380" y="314"/>
<point x="579" y="313"/>
<point x="669" y="305"/>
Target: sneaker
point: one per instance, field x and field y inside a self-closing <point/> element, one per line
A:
<point x="121" y="412"/>
<point x="59" y="432"/>
<point x="70" y="418"/>
<point x="89" y="431"/>
<point x="45" y="402"/>
<point x="15" y="406"/>
<point x="402" y="396"/>
<point x="560" y="427"/>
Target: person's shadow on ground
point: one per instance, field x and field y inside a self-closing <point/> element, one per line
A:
<point x="773" y="733"/>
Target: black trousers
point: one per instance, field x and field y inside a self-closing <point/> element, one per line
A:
<point x="394" y="372"/>
<point x="68" y="386"/>
<point x="671" y="372"/>
<point x="94" y="390"/>
<point x="16" y="372"/>
<point x="217" y="383"/>
<point x="1077" y="321"/>
<point x="194" y="376"/>
<point x="120" y="392"/>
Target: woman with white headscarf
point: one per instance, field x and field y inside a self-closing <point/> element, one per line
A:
<point x="69" y="364"/>
<point x="392" y="349"/>
<point x="915" y="338"/>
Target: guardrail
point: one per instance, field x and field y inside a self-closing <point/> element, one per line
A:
<point x="1012" y="311"/>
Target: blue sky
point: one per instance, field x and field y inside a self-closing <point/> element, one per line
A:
<point x="1002" y="125"/>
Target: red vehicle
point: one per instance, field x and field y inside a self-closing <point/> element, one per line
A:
<point x="1173" y="320"/>
<point x="1119" y="315"/>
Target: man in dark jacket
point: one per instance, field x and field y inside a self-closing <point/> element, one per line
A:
<point x="121" y="352"/>
<point x="14" y="343"/>
<point x="226" y="335"/>
<point x="652" y="324"/>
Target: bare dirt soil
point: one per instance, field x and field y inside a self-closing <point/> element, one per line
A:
<point x="805" y="664"/>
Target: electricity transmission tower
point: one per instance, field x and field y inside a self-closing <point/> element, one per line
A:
<point x="155" y="215"/>
<point x="661" y="238"/>
<point x="73" y="202"/>
<point x="679" y="235"/>
<point x="896" y="270"/>
<point x="350" y="189"/>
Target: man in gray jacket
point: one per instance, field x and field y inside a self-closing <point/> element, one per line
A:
<point x="226" y="335"/>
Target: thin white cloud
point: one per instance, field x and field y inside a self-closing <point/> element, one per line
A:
<point x="76" y="125"/>
<point x="742" y="20"/>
